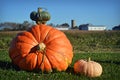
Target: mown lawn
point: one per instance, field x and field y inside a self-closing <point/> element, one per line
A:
<point x="109" y="61"/>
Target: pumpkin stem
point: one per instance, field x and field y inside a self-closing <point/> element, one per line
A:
<point x="42" y="60"/>
<point x="89" y="59"/>
<point x="41" y="47"/>
<point x="39" y="15"/>
<point x="39" y="10"/>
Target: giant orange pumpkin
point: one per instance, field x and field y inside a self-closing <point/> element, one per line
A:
<point x="41" y="48"/>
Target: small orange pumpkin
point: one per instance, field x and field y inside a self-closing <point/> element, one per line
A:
<point x="41" y="47"/>
<point x="88" y="68"/>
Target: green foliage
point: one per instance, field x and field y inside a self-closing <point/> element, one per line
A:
<point x="82" y="41"/>
<point x="109" y="61"/>
<point x="94" y="41"/>
<point x="5" y="39"/>
<point x="103" y="47"/>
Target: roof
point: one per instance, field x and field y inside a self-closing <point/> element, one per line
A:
<point x="90" y="25"/>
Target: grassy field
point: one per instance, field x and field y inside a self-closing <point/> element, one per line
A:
<point x="109" y="61"/>
<point x="102" y="47"/>
<point x="94" y="41"/>
<point x="82" y="41"/>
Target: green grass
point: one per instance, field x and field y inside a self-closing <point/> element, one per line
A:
<point x="5" y="39"/>
<point x="109" y="61"/>
<point x="103" y="47"/>
<point x="94" y="41"/>
<point x="82" y="41"/>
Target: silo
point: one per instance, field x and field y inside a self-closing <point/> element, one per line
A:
<point x="73" y="24"/>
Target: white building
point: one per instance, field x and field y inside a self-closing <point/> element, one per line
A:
<point x="91" y="27"/>
<point x="62" y="28"/>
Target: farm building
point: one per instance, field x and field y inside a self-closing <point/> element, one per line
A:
<point x="73" y="26"/>
<point x="62" y="28"/>
<point x="92" y="27"/>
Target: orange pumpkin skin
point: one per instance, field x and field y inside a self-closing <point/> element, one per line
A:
<point x="88" y="68"/>
<point x="56" y="54"/>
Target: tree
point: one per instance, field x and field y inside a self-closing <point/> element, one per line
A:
<point x="16" y="26"/>
<point x="65" y="25"/>
<point x="51" y="24"/>
<point x="82" y="26"/>
<point x="25" y="25"/>
<point x="116" y="27"/>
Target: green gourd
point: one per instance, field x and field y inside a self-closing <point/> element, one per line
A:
<point x="40" y="16"/>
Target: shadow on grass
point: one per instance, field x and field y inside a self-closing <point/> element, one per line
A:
<point x="70" y="70"/>
<point x="8" y="65"/>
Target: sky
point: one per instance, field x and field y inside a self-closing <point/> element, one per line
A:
<point x="96" y="12"/>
